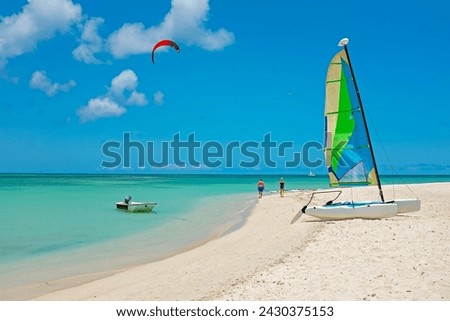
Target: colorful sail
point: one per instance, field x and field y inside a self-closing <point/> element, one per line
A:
<point x="347" y="152"/>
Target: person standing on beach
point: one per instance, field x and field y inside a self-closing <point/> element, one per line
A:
<point x="260" y="187"/>
<point x="281" y="187"/>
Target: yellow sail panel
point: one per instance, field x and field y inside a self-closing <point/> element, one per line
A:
<point x="372" y="177"/>
<point x="333" y="83"/>
<point x="332" y="95"/>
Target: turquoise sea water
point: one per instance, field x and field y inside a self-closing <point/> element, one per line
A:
<point x="54" y="226"/>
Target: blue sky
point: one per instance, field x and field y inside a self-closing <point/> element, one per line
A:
<point x="77" y="74"/>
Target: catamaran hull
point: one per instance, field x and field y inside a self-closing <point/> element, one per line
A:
<point x="407" y="205"/>
<point x="351" y="211"/>
<point x="136" y="207"/>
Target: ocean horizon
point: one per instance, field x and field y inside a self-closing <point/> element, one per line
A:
<point x="62" y="225"/>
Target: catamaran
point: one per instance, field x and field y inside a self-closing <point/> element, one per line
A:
<point x="348" y="149"/>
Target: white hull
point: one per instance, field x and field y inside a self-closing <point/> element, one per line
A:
<point x="136" y="207"/>
<point x="407" y="205"/>
<point x="343" y="211"/>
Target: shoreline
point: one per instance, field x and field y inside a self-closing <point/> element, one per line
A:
<point x="406" y="257"/>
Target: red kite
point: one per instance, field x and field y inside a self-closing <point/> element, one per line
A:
<point x="161" y="43"/>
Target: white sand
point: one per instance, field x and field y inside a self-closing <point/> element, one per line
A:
<point x="402" y="258"/>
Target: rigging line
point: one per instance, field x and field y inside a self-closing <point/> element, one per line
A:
<point x="393" y="169"/>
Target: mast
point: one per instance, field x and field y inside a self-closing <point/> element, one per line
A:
<point x="344" y="43"/>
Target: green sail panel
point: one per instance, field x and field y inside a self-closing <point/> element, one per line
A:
<point x="347" y="153"/>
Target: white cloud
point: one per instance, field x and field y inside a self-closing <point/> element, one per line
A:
<point x="137" y="99"/>
<point x="158" y="98"/>
<point x="39" y="80"/>
<point x="121" y="93"/>
<point x="184" y="22"/>
<point x="100" y="107"/>
<point x="126" y="80"/>
<point x="39" y="20"/>
<point x="132" y="38"/>
<point x="90" y="42"/>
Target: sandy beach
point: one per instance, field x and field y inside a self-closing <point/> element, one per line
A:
<point x="406" y="257"/>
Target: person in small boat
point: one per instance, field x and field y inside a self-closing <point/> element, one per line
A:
<point x="260" y="187"/>
<point x="281" y="187"/>
<point x="127" y="199"/>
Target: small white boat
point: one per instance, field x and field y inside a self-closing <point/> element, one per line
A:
<point x="135" y="207"/>
<point x="311" y="173"/>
